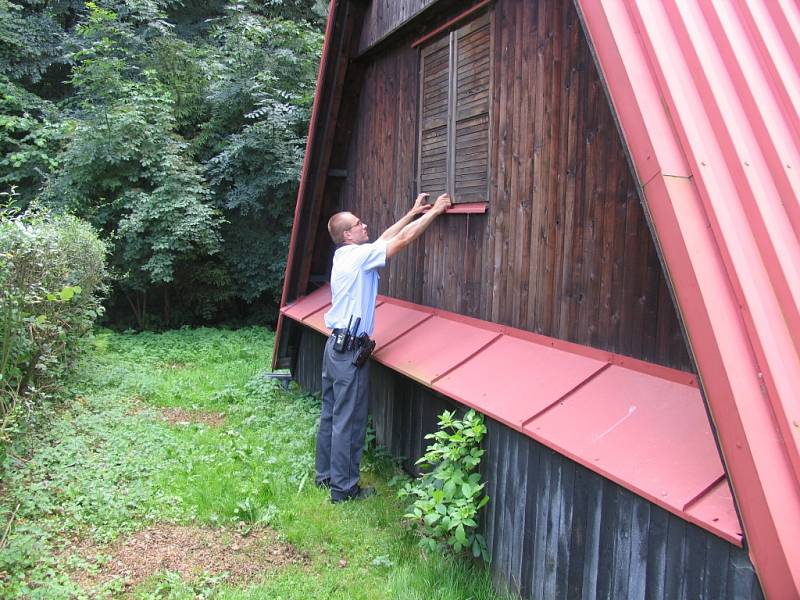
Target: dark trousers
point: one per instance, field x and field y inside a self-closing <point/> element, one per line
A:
<point x="343" y="423"/>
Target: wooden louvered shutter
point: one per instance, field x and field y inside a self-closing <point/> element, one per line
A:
<point x="433" y="163"/>
<point x="455" y="77"/>
<point x="471" y="118"/>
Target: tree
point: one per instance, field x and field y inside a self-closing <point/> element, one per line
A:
<point x="176" y="128"/>
<point x="125" y="169"/>
<point x="31" y="40"/>
<point x="261" y="101"/>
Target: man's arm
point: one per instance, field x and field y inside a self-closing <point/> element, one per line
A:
<point x="413" y="230"/>
<point x="419" y="206"/>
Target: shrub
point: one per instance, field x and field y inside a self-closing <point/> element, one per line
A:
<point x="448" y="497"/>
<point x="51" y="281"/>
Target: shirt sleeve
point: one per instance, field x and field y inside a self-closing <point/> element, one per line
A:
<point x="372" y="256"/>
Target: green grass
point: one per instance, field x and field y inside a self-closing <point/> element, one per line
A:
<point x="106" y="464"/>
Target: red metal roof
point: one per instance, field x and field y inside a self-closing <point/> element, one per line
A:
<point x="707" y="95"/>
<point x="641" y="425"/>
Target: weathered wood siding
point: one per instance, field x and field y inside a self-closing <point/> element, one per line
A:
<point x="555" y="529"/>
<point x="385" y="16"/>
<point x="564" y="248"/>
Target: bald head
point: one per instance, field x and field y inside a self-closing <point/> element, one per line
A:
<point x="338" y="224"/>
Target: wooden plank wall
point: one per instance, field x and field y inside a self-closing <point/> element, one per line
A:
<point x="564" y="248"/>
<point x="385" y="16"/>
<point x="555" y="529"/>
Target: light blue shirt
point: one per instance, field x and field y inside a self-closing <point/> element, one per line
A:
<point x="354" y="285"/>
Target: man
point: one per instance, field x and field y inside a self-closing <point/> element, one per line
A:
<point x="354" y="287"/>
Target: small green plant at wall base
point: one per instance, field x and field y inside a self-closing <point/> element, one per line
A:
<point x="449" y="495"/>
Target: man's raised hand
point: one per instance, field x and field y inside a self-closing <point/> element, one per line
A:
<point x="421" y="203"/>
<point x="442" y="203"/>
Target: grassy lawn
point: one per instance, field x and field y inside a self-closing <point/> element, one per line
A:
<point x="176" y="471"/>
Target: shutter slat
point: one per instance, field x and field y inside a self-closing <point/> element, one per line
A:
<point x="435" y="98"/>
<point x="473" y="46"/>
<point x="473" y="165"/>
<point x="470" y="140"/>
<point x="433" y="145"/>
<point x="433" y="77"/>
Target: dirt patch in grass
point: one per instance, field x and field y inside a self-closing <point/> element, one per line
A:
<point x="136" y="406"/>
<point x="180" y="416"/>
<point x="189" y="551"/>
<point x="176" y="365"/>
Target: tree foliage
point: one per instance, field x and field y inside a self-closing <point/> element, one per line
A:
<point x="260" y="105"/>
<point x="177" y="131"/>
<point x="30" y="139"/>
<point x="124" y="169"/>
<point x="31" y="38"/>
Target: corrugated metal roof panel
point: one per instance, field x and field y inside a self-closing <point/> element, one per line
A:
<point x="641" y="425"/>
<point x="513" y="380"/>
<point x="725" y="77"/>
<point x="307" y="306"/>
<point x="434" y="348"/>
<point x="649" y="434"/>
<point x="393" y="320"/>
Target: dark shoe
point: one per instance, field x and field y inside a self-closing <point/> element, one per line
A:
<point x="358" y="493"/>
<point x="323" y="484"/>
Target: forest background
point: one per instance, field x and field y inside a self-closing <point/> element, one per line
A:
<point x="177" y="130"/>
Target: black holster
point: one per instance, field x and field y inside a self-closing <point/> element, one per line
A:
<point x="365" y="347"/>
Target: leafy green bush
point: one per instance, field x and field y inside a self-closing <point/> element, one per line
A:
<point x="448" y="497"/>
<point x="51" y="281"/>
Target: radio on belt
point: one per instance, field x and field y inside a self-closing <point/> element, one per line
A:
<point x="341" y="340"/>
<point x="346" y="339"/>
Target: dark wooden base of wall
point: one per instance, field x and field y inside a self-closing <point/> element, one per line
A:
<point x="555" y="529"/>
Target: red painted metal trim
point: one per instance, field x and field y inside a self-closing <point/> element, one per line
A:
<point x="661" y="371"/>
<point x="466" y="359"/>
<point x="468" y="208"/>
<point x="545" y="388"/>
<point x="312" y="134"/>
<point x="566" y="395"/>
<point x="451" y="23"/>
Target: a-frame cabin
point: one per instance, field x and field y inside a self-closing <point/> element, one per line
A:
<point x="617" y="287"/>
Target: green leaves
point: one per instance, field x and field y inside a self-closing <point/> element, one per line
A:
<point x="448" y="497"/>
<point x="264" y="73"/>
<point x="66" y="294"/>
<point x="51" y="280"/>
<point x="183" y="149"/>
<point x="176" y="130"/>
<point x="30" y="139"/>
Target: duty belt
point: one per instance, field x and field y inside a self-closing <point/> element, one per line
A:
<point x="355" y="342"/>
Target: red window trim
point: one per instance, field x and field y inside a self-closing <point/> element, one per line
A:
<point x="451" y="23"/>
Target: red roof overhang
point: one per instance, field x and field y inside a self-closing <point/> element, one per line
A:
<point x="707" y="97"/>
<point x="641" y="425"/>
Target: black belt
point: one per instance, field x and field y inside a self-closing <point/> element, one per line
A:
<point x="355" y="342"/>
